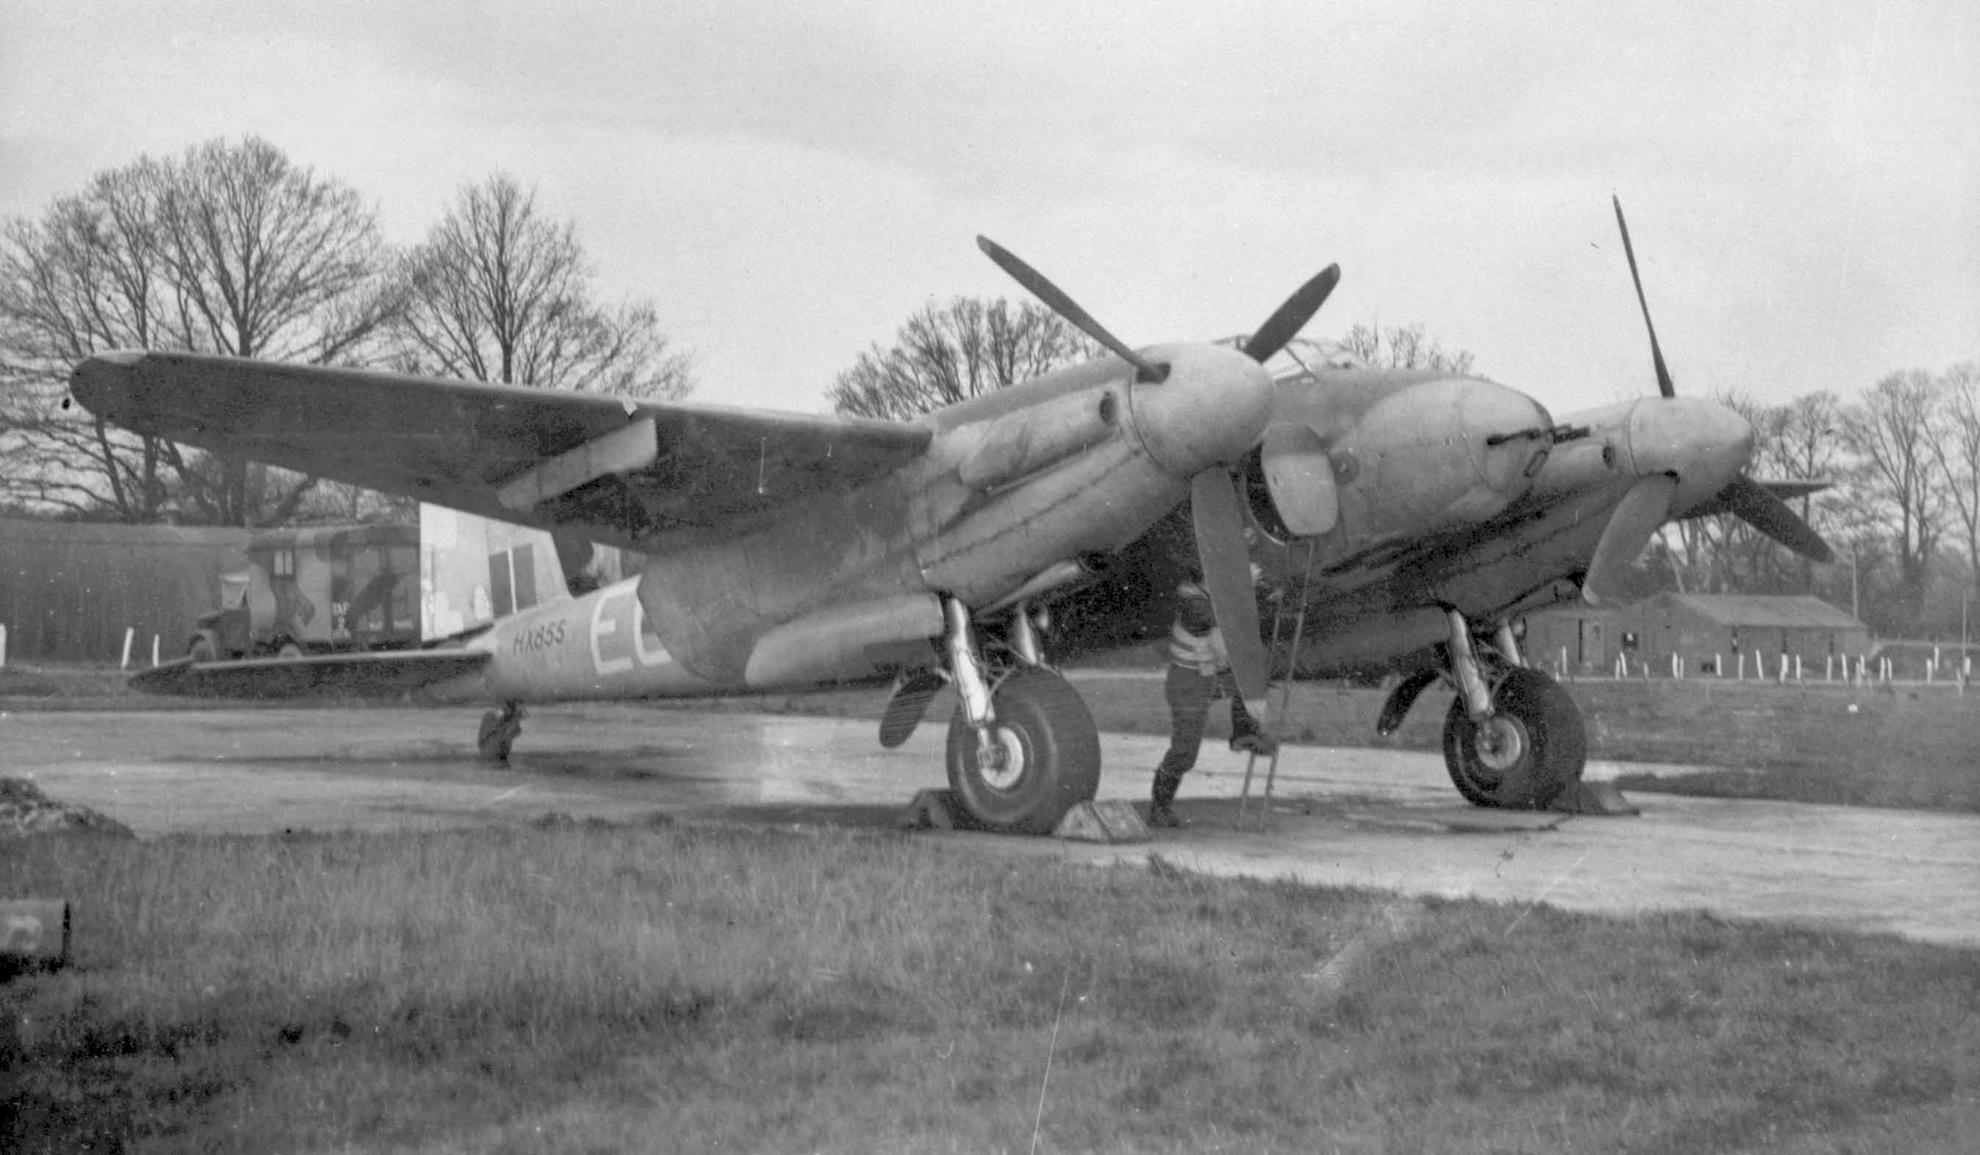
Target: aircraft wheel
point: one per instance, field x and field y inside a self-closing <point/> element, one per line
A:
<point x="202" y="648"/>
<point x="289" y="650"/>
<point x="499" y="730"/>
<point x="1045" y="759"/>
<point x="1532" y="747"/>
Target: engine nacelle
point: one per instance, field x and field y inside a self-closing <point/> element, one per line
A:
<point x="1360" y="459"/>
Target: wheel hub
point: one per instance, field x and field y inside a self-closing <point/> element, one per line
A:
<point x="1000" y="757"/>
<point x="1501" y="743"/>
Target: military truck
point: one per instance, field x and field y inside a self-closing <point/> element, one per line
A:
<point x="317" y="590"/>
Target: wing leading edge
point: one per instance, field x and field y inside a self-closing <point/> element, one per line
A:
<point x="532" y="456"/>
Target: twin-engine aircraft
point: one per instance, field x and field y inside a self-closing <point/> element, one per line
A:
<point x="1413" y="517"/>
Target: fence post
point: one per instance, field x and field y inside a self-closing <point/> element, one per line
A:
<point x="3" y="645"/>
<point x="154" y="649"/>
<point x="130" y="635"/>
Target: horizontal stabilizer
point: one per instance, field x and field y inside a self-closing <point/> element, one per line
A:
<point x="380" y="675"/>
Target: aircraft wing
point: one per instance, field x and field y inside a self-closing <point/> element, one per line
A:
<point x="620" y="471"/>
<point x="374" y="675"/>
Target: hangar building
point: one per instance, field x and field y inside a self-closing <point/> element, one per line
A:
<point x="1701" y="628"/>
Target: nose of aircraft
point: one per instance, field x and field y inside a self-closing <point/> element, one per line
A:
<point x="1504" y="431"/>
<point x="1210" y="410"/>
<point x="1703" y="443"/>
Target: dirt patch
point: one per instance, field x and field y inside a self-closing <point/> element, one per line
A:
<point x="25" y="810"/>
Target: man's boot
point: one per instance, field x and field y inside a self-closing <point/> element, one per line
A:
<point x="1159" y="813"/>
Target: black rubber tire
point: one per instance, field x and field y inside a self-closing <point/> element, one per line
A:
<point x="1043" y="722"/>
<point x="498" y="735"/>
<point x="1551" y="750"/>
<point x="202" y="649"/>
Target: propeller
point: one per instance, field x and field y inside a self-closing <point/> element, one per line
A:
<point x="1056" y="299"/>
<point x="1637" y="516"/>
<point x="1216" y="508"/>
<point x="1288" y="319"/>
<point x="1217" y="516"/>
<point x="1664" y="383"/>
<point x="1751" y="501"/>
<point x="1758" y="507"/>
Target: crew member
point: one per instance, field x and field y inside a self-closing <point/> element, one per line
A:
<point x="1199" y="670"/>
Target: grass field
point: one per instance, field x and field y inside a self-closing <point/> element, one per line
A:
<point x="694" y="988"/>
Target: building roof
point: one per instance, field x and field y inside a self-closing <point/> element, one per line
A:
<point x="1762" y="610"/>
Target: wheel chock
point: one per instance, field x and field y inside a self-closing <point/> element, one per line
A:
<point x="930" y="810"/>
<point x="1109" y="821"/>
<point x="1601" y="799"/>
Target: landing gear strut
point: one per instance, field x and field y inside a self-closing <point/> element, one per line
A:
<point x="1022" y="748"/>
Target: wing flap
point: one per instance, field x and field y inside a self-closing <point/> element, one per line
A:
<point x="466" y="444"/>
<point x="380" y="675"/>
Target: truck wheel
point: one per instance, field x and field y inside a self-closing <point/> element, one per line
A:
<point x="1044" y="757"/>
<point x="1532" y="747"/>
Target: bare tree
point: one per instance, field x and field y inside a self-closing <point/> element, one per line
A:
<point x="230" y="249"/>
<point x="264" y="259"/>
<point x="83" y="278"/>
<point x="947" y="353"/>
<point x="1403" y="347"/>
<point x="1891" y="431"/>
<point x="497" y="292"/>
<point x="1956" y="453"/>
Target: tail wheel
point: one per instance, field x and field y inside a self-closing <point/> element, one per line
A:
<point x="499" y="730"/>
<point x="1532" y="747"/>
<point x="1043" y="758"/>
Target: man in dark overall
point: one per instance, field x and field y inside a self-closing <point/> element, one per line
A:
<point x="1199" y="670"/>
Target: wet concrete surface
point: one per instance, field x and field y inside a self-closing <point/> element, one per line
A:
<point x="1381" y="819"/>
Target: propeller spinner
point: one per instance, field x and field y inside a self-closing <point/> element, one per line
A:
<point x="1647" y="506"/>
<point x="1216" y="508"/>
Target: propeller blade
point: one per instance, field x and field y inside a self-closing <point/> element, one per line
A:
<point x="1664" y="384"/>
<point x="1056" y="300"/>
<point x="1758" y="507"/>
<point x="1219" y="521"/>
<point x="1637" y="516"/>
<point x="1286" y="322"/>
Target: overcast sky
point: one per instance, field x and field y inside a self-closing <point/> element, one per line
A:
<point x="787" y="181"/>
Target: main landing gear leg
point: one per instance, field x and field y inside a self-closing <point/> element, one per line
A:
<point x="499" y="729"/>
<point x="1513" y="738"/>
<point x="1022" y="748"/>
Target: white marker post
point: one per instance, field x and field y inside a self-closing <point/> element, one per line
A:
<point x="154" y="649"/>
<point x="130" y="635"/>
<point x="3" y="645"/>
